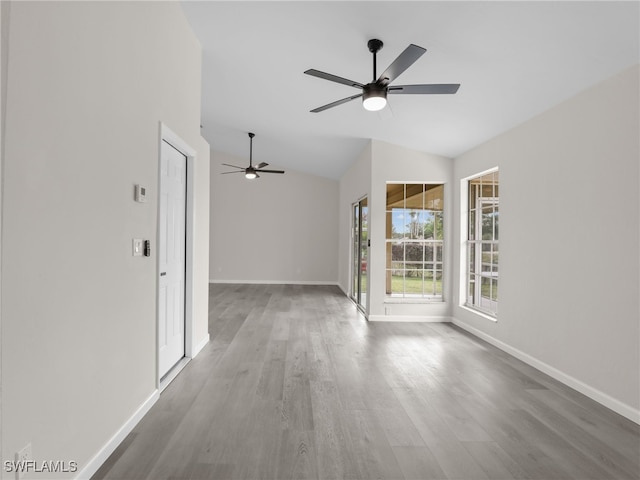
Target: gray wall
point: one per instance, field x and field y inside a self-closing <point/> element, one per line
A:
<point x="88" y="85"/>
<point x="569" y="224"/>
<point x="391" y="163"/>
<point x="276" y="228"/>
<point x="5" y="11"/>
<point x="354" y="185"/>
<point x="378" y="164"/>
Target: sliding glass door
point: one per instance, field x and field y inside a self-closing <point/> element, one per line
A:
<point x="360" y="254"/>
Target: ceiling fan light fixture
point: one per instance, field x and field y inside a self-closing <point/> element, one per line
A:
<point x="251" y="172"/>
<point x="374" y="97"/>
<point x="374" y="94"/>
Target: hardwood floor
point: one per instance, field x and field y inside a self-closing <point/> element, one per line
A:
<point x="295" y="384"/>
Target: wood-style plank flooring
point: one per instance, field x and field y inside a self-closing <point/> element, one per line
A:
<point x="295" y="384"/>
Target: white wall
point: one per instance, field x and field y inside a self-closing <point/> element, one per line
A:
<point x="569" y="239"/>
<point x="378" y="164"/>
<point x="200" y="246"/>
<point x="88" y="85"/>
<point x="354" y="185"/>
<point x="391" y="163"/>
<point x="5" y="10"/>
<point x="277" y="228"/>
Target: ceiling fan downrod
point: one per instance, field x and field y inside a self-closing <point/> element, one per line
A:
<point x="375" y="46"/>
<point x="251" y="135"/>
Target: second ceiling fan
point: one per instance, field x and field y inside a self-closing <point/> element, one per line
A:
<point x="251" y="172"/>
<point x="374" y="94"/>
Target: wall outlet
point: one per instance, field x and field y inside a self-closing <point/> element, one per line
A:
<point x="22" y="457"/>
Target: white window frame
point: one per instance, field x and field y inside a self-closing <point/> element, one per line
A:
<point x="438" y="266"/>
<point x="466" y="244"/>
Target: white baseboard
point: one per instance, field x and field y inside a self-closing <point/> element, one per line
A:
<point x="409" y="318"/>
<point x="178" y="367"/>
<point x="173" y="373"/>
<point x="276" y="282"/>
<point x="96" y="462"/>
<point x="617" y="406"/>
<point x="200" y="346"/>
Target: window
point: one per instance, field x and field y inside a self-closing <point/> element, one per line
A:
<point x="482" y="244"/>
<point x="414" y="240"/>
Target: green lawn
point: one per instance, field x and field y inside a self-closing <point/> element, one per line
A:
<point x="413" y="285"/>
<point x="485" y="292"/>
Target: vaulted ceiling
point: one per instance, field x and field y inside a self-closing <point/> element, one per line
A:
<point x="513" y="60"/>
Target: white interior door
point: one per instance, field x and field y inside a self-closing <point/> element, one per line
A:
<point x="171" y="253"/>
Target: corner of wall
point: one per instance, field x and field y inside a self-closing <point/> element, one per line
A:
<point x="4" y="61"/>
<point x="92" y="466"/>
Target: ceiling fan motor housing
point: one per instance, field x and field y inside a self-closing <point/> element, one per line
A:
<point x="375" y="90"/>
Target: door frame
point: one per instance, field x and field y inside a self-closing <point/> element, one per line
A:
<point x="167" y="135"/>
<point x="364" y="308"/>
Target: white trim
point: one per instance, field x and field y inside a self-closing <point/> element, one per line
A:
<point x="176" y="142"/>
<point x="480" y="174"/>
<point x="410" y="318"/>
<point x="103" y="454"/>
<point x="190" y="245"/>
<point x="277" y="282"/>
<point x="479" y="313"/>
<point x="352" y="227"/>
<point x="358" y="307"/>
<point x="462" y="245"/>
<point x="173" y="373"/>
<point x="167" y="135"/>
<point x="608" y="401"/>
<point x="197" y="348"/>
<point x="390" y="300"/>
<point x="464" y="229"/>
<point x="178" y="367"/>
<point x="363" y="308"/>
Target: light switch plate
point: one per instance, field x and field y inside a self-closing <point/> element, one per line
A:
<point x="137" y="247"/>
<point x="141" y="194"/>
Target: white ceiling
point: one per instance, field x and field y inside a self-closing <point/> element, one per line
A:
<point x="512" y="59"/>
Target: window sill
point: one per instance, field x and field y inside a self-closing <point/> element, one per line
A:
<point x="404" y="300"/>
<point x="480" y="313"/>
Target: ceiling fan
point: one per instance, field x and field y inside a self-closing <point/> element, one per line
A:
<point x="374" y="94"/>
<point x="251" y="172"/>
